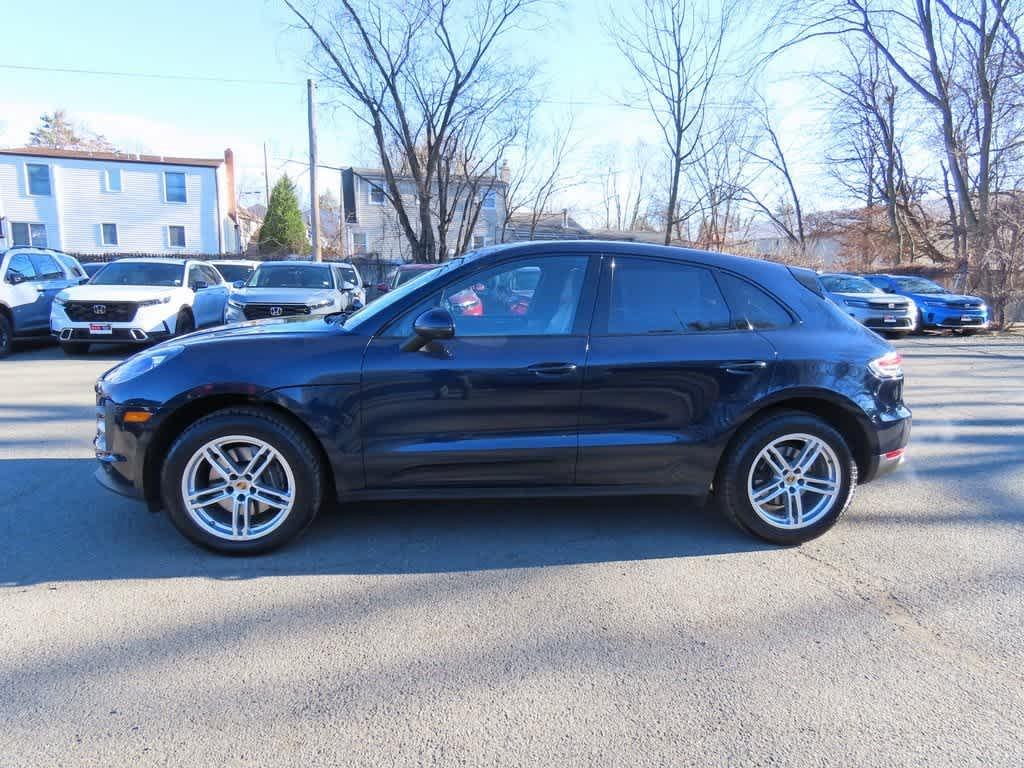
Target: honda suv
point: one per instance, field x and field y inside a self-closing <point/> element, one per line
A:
<point x="632" y="369"/>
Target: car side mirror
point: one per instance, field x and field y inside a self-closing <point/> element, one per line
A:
<point x="432" y="325"/>
<point x="15" y="278"/>
<point x="347" y="286"/>
<point x="355" y="305"/>
<point x="198" y="285"/>
<point x="239" y="283"/>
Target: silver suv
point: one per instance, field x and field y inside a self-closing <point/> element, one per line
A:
<point x="31" y="278"/>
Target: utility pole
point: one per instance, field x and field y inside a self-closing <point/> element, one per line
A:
<point x="266" y="176"/>
<point x="314" y="199"/>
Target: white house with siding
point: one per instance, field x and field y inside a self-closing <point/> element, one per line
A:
<point x="105" y="202"/>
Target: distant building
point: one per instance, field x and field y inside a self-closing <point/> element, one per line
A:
<point x="107" y="202"/>
<point x="370" y="223"/>
<point x="545" y="226"/>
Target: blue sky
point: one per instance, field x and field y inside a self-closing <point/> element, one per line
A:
<point x="252" y="41"/>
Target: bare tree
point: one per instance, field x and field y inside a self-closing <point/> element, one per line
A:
<point x="675" y="49"/>
<point x="416" y="73"/>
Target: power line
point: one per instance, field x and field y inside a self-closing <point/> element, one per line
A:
<point x="149" y="75"/>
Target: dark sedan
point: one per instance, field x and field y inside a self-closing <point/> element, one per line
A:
<point x="632" y="369"/>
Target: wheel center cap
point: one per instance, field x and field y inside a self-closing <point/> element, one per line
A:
<point x="241" y="485"/>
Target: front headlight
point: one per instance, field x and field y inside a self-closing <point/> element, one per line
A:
<point x="235" y="304"/>
<point x="856" y="303"/>
<point x="983" y="307"/>
<point x="321" y="304"/>
<point x="154" y="302"/>
<point x="141" y="363"/>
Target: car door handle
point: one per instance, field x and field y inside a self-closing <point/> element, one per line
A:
<point x="744" y="366"/>
<point x="552" y="369"/>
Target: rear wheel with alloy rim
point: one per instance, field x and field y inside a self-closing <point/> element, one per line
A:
<point x="788" y="478"/>
<point x="242" y="481"/>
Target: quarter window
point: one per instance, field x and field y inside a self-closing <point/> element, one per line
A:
<point x="174" y="187"/>
<point x="28" y="234"/>
<point x="113" y="179"/>
<point x="109" y="234"/>
<point x="38" y="179"/>
<point x="752" y="307"/>
<point x="176" y="236"/>
<point x="648" y="296"/>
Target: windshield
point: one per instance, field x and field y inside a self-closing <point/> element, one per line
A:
<point x="139" y="273"/>
<point x="234" y="272"/>
<point x="403" y="276"/>
<point x="291" y="276"/>
<point x="847" y="284"/>
<point x="918" y="285"/>
<point x="377" y="306"/>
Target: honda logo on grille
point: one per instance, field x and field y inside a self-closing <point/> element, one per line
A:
<point x="99" y="309"/>
<point x="276" y="311"/>
<point x="892" y="306"/>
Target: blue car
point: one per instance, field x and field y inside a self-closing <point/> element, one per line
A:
<point x="937" y="308"/>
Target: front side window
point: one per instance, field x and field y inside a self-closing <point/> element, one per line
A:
<point x="20" y="266"/>
<point x="210" y="275"/>
<point x="28" y="234"/>
<point x="113" y="179"/>
<point x="649" y="296"/>
<point x="46" y="266"/>
<point x="174" y="187"/>
<point x="176" y="236"/>
<point x="71" y="265"/>
<point x="377" y="195"/>
<point x="496" y="303"/>
<point x="139" y="273"/>
<point x="234" y="272"/>
<point x="109" y="233"/>
<point x="38" y="179"/>
<point x="752" y="307"/>
<point x="284" y="275"/>
<point x="347" y="275"/>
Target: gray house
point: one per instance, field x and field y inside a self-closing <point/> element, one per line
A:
<point x="371" y="226"/>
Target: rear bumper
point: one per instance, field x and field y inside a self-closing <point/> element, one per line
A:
<point x="890" y="452"/>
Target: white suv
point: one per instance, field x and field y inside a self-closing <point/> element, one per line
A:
<point x="139" y="301"/>
<point x="31" y="278"/>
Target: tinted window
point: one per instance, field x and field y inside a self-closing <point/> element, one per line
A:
<point x="292" y="276"/>
<point x="139" y="273"/>
<point x="175" y="187"/>
<point x="650" y="296"/>
<point x="71" y="266"/>
<point x="46" y="266"/>
<point x="234" y="272"/>
<point x="38" y="179"/>
<point x="210" y="275"/>
<point x="490" y="304"/>
<point x="22" y="265"/>
<point x="752" y="307"/>
<point x="374" y="308"/>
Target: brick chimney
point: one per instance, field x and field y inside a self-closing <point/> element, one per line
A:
<point x="229" y="169"/>
<point x="506" y="172"/>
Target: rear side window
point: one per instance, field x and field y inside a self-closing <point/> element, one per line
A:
<point x="647" y="296"/>
<point x="21" y="265"/>
<point x="752" y="307"/>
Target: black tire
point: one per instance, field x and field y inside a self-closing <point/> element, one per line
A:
<point x="185" y="323"/>
<point x="73" y="348"/>
<point x="280" y="433"/>
<point x="731" y="480"/>
<point x="6" y="336"/>
<point x="969" y="331"/>
<point x="919" y="329"/>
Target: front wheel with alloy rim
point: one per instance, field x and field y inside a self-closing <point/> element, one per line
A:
<point x="6" y="336"/>
<point x="787" y="479"/>
<point x="242" y="481"/>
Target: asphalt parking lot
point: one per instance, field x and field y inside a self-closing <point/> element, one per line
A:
<point x="639" y="632"/>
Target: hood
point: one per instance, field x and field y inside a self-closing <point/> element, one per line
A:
<point x="258" y="329"/>
<point x="283" y="295"/>
<point x="91" y="292"/>
<point x="949" y="298"/>
<point x="874" y="298"/>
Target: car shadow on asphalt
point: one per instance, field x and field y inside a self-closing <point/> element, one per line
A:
<point x="61" y="526"/>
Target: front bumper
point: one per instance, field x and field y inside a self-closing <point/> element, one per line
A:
<point x="899" y="319"/>
<point x="951" y="317"/>
<point x="150" y="324"/>
<point x="119" y="448"/>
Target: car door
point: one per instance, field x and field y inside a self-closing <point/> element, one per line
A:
<point x="217" y="292"/>
<point x="202" y="301"/>
<point x="670" y="367"/>
<point x="50" y="280"/>
<point x="21" y="289"/>
<point x="498" y="404"/>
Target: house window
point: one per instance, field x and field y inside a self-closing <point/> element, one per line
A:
<point x="108" y="234"/>
<point x="174" y="187"/>
<point x="176" y="236"/>
<point x="28" y="234"/>
<point x="38" y="179"/>
<point x="113" y="179"/>
<point x="490" y="200"/>
<point x="377" y="196"/>
<point x="358" y="242"/>
<point x="478" y="241"/>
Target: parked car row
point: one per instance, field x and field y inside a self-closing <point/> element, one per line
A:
<point x="145" y="300"/>
<point x="901" y="304"/>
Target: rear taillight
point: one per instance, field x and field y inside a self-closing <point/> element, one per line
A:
<point x="888" y="366"/>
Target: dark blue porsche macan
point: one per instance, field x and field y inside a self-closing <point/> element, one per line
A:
<point x="569" y="368"/>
